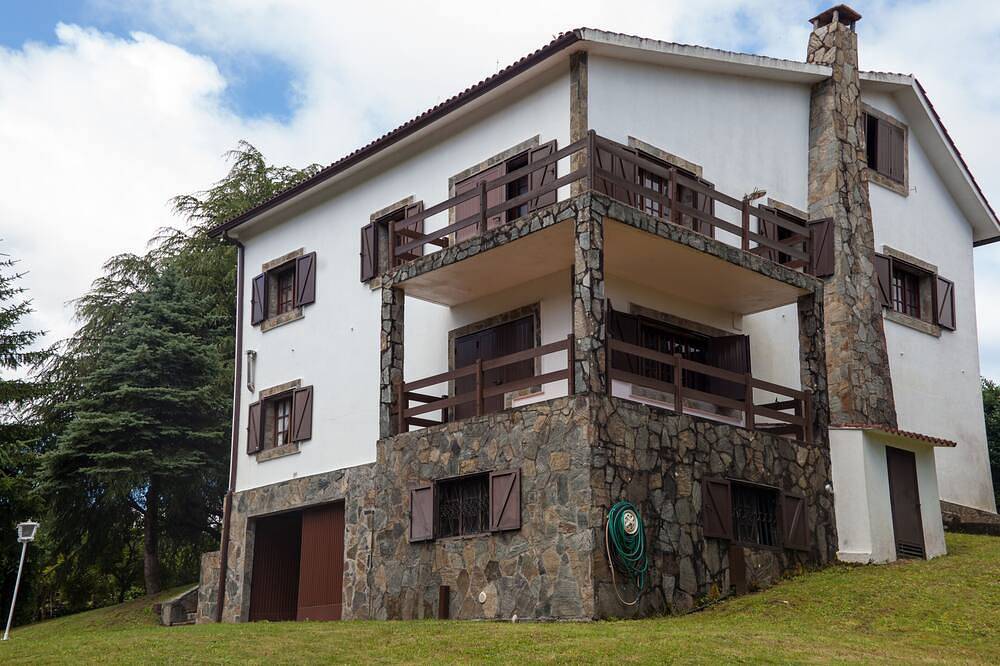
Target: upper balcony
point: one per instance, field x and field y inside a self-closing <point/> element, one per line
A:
<point x="439" y="251"/>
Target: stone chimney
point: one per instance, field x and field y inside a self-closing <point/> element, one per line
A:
<point x="860" y="388"/>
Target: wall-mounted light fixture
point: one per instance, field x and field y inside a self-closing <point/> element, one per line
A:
<point x="251" y="370"/>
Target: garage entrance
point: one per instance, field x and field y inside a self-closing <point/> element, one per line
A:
<point x="298" y="565"/>
<point x="904" y="498"/>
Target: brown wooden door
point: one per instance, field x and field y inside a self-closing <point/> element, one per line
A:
<point x="274" y="581"/>
<point x="904" y="498"/>
<point x="321" y="567"/>
<point x="492" y="343"/>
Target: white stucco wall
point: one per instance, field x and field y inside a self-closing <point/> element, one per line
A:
<point x="936" y="380"/>
<point x="861" y="496"/>
<point x="335" y="347"/>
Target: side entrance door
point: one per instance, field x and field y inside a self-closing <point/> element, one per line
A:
<point x="907" y="526"/>
<point x="321" y="567"/>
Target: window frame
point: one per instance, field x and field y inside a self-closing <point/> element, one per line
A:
<point x="737" y="487"/>
<point x="460" y="481"/>
<point x="880" y="174"/>
<point x="269" y="406"/>
<point x="906" y="289"/>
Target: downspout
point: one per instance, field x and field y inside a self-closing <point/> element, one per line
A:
<point x="227" y="506"/>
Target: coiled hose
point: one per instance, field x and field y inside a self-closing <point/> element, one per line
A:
<point x="625" y="540"/>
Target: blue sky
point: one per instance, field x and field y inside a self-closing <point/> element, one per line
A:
<point x="123" y="104"/>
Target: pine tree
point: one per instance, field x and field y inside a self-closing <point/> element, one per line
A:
<point x="148" y="423"/>
<point x="19" y="429"/>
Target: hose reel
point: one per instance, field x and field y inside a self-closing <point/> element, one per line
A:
<point x="625" y="541"/>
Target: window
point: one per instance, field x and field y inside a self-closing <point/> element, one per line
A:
<point x="280" y="419"/>
<point x="516" y="188"/>
<point x="905" y="291"/>
<point x="884" y="147"/>
<point x="755" y="515"/>
<point x="685" y="195"/>
<point x="463" y="506"/>
<point x="915" y="292"/>
<point x="660" y="337"/>
<point x="283" y="287"/>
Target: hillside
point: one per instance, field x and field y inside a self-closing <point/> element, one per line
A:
<point x="915" y="612"/>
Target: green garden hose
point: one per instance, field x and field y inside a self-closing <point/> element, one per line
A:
<point x="625" y="540"/>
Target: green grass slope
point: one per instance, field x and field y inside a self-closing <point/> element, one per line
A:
<point x="945" y="610"/>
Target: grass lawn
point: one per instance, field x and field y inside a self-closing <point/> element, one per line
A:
<point x="945" y="610"/>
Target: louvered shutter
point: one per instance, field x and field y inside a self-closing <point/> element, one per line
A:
<point x="716" y="508"/>
<point x="883" y="276"/>
<point x="944" y="296"/>
<point x="768" y="230"/>
<point x="369" y="252"/>
<point x="305" y="279"/>
<point x="540" y="178"/>
<point x="884" y="148"/>
<point x="821" y="258"/>
<point x="896" y="153"/>
<point x="258" y="299"/>
<point x="625" y="327"/>
<point x="729" y="352"/>
<point x="422" y="513"/>
<point x="505" y="500"/>
<point x="706" y="204"/>
<point x="302" y="414"/>
<point x="416" y="227"/>
<point x="794" y="529"/>
<point x="254" y="428"/>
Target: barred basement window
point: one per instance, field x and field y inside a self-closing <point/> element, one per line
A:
<point x="463" y="505"/>
<point x="755" y="515"/>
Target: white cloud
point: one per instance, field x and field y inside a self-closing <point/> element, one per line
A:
<point x="97" y="132"/>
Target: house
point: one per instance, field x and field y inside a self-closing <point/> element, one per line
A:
<point x="733" y="290"/>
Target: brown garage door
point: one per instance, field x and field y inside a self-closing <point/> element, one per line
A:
<point x="907" y="527"/>
<point x="321" y="568"/>
<point x="275" y="577"/>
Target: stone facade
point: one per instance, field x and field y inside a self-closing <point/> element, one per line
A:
<point x="860" y="386"/>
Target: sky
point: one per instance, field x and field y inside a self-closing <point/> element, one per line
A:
<point x="108" y="109"/>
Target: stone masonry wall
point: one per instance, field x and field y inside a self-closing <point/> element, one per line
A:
<point x="860" y="386"/>
<point x="657" y="459"/>
<point x="542" y="570"/>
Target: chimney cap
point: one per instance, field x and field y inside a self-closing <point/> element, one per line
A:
<point x="839" y="13"/>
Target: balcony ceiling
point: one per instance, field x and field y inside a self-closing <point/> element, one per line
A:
<point x="690" y="274"/>
<point x="530" y="257"/>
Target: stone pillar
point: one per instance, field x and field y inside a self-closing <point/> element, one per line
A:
<point x="392" y="356"/>
<point x="812" y="359"/>
<point x="589" y="300"/>
<point x="578" y="121"/>
<point x="860" y="388"/>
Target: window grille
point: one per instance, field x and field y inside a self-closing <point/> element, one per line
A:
<point x="463" y="506"/>
<point x="755" y="515"/>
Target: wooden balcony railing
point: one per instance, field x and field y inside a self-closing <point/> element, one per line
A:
<point x="779" y="422"/>
<point x="408" y="391"/>
<point x="792" y="251"/>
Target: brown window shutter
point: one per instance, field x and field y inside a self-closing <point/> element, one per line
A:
<point x="542" y="177"/>
<point x="884" y="148"/>
<point x="258" y="299"/>
<point x="422" y="513"/>
<point x="896" y="153"/>
<point x="417" y="227"/>
<point x="620" y="169"/>
<point x="254" y="425"/>
<point x="505" y="500"/>
<point x="794" y="529"/>
<point x="302" y="414"/>
<point x="305" y="279"/>
<point x="883" y="276"/>
<point x="369" y="252"/>
<point x="716" y="508"/>
<point x="768" y="230"/>
<point x="821" y="256"/>
<point x="944" y="297"/>
<point x="625" y="327"/>
<point x="706" y="204"/>
<point x="729" y="352"/>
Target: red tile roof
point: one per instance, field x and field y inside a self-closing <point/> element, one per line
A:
<point x="933" y="441"/>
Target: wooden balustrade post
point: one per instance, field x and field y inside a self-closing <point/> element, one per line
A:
<point x="482" y="207"/>
<point x="678" y="383"/>
<point x="479" y="387"/>
<point x="570" y="364"/>
<point x="746" y="224"/>
<point x="591" y="158"/>
<point x="392" y="243"/>
<point x="671" y="192"/>
<point x="749" y="419"/>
